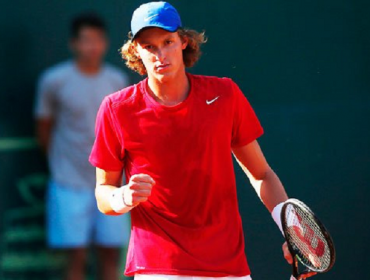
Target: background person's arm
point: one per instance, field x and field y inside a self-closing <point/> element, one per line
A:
<point x="44" y="127"/>
<point x="45" y="108"/>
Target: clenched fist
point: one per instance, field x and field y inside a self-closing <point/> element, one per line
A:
<point x="138" y="189"/>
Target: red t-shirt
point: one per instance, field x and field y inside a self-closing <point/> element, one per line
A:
<point x="190" y="224"/>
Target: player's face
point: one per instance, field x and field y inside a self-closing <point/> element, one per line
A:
<point x="161" y="53"/>
<point x="90" y="45"/>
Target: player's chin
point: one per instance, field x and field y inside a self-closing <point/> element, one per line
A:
<point x="164" y="76"/>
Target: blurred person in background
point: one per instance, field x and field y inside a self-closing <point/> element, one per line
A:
<point x="68" y="98"/>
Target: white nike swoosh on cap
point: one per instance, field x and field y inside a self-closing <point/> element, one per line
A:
<point x="148" y="18"/>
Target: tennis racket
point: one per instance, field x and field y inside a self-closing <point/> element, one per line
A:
<point x="308" y="240"/>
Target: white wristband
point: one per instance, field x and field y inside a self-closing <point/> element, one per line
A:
<point x="277" y="217"/>
<point x="117" y="201"/>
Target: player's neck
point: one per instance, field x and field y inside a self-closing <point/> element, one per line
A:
<point x="88" y="67"/>
<point x="170" y="92"/>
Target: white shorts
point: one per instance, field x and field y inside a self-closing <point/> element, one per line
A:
<point x="74" y="221"/>
<point x="179" y="277"/>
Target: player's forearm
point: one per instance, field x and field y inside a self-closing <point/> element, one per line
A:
<point x="270" y="189"/>
<point x="103" y="195"/>
<point x="260" y="174"/>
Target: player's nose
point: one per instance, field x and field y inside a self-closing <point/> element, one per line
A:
<point x="160" y="55"/>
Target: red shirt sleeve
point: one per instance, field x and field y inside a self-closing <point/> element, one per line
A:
<point x="246" y="126"/>
<point x="108" y="150"/>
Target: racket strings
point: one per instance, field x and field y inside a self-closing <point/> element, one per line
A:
<point x="307" y="239"/>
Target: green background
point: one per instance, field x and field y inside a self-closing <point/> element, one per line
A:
<point x="304" y="66"/>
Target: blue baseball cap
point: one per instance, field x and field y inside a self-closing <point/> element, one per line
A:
<point x="155" y="14"/>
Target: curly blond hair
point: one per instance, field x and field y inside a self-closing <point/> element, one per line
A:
<point x="191" y="53"/>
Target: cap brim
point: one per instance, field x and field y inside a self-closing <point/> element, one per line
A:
<point x="167" y="28"/>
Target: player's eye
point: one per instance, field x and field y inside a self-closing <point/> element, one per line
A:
<point x="169" y="42"/>
<point x="148" y="47"/>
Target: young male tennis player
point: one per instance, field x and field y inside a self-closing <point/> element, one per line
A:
<point x="174" y="134"/>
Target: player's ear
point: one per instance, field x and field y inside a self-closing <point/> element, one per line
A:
<point x="185" y="41"/>
<point x="134" y="46"/>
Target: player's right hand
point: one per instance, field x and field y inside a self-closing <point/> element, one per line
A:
<point x="138" y="189"/>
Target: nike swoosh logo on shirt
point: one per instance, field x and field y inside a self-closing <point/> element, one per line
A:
<point x="211" y="101"/>
<point x="148" y="18"/>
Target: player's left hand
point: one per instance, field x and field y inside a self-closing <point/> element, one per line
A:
<point x="289" y="259"/>
<point x="287" y="254"/>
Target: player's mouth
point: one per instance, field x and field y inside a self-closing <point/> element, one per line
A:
<point x="162" y="67"/>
